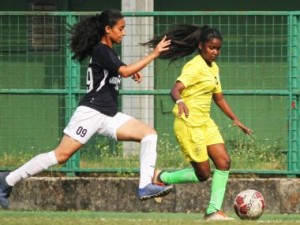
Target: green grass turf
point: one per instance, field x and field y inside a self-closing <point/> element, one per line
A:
<point x="8" y="217"/>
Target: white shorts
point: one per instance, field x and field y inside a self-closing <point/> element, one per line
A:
<point x="85" y="122"/>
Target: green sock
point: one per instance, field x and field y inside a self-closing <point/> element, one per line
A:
<point x="218" y="188"/>
<point x="180" y="176"/>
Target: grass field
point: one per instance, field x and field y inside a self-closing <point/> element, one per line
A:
<point x="122" y="218"/>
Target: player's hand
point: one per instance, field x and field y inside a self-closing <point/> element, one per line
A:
<point x="182" y="109"/>
<point x="162" y="46"/>
<point x="138" y="77"/>
<point x="245" y="129"/>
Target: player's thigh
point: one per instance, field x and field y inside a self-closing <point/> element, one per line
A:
<point x="66" y="148"/>
<point x="192" y="141"/>
<point x="133" y="130"/>
<point x="85" y="122"/>
<point x="212" y="133"/>
<point x="219" y="155"/>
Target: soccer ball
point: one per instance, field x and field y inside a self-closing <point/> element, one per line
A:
<point x="249" y="204"/>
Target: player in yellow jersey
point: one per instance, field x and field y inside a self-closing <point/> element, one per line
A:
<point x="193" y="92"/>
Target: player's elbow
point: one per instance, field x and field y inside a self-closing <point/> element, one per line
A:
<point x="125" y="72"/>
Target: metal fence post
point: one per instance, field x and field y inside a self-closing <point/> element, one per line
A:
<point x="72" y="84"/>
<point x="294" y="134"/>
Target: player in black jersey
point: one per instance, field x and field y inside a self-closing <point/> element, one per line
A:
<point x="94" y="37"/>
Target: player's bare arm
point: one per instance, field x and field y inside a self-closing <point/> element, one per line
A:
<point x="224" y="106"/>
<point x="175" y="94"/>
<point x="131" y="69"/>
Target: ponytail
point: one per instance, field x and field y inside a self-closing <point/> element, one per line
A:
<point x="87" y="33"/>
<point x="185" y="40"/>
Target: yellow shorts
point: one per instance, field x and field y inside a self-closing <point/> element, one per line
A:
<point x="194" y="140"/>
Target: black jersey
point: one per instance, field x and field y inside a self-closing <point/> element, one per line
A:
<point x="103" y="81"/>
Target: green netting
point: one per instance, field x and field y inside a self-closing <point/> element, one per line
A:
<point x="259" y="67"/>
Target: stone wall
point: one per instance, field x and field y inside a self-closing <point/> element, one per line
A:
<point x="282" y="195"/>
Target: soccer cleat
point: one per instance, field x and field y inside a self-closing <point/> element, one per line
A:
<point x="219" y="215"/>
<point x="156" y="180"/>
<point x="5" y="190"/>
<point x="153" y="191"/>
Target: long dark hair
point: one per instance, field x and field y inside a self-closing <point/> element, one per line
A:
<point x="185" y="40"/>
<point x="87" y="33"/>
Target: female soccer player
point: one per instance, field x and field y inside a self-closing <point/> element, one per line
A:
<point x="94" y="37"/>
<point x="193" y="91"/>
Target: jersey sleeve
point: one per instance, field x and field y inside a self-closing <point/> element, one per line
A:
<point x="107" y="58"/>
<point x="218" y="87"/>
<point x="188" y="75"/>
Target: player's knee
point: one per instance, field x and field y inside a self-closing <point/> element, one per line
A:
<point x="202" y="176"/>
<point x="62" y="157"/>
<point x="223" y="164"/>
<point x="150" y="131"/>
<point x="202" y="179"/>
<point x="149" y="137"/>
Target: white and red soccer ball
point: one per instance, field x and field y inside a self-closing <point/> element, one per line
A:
<point x="249" y="204"/>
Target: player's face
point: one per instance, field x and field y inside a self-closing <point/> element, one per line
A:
<point x="210" y="50"/>
<point x="117" y="32"/>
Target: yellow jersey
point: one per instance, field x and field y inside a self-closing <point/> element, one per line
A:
<point x="200" y="81"/>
